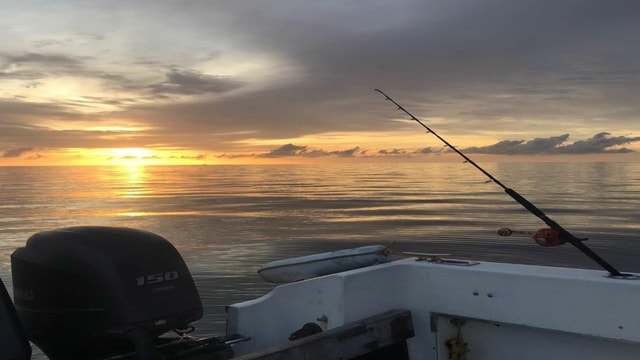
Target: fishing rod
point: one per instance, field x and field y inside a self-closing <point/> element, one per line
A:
<point x="562" y="233"/>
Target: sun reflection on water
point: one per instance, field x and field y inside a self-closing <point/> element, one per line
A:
<point x="129" y="181"/>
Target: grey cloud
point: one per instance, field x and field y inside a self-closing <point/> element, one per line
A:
<point x="393" y="152"/>
<point x="286" y="150"/>
<point x="194" y="157"/>
<point x="408" y="152"/>
<point x="15" y="134"/>
<point x="346" y="153"/>
<point x="516" y="147"/>
<point x="428" y="150"/>
<point x="19" y="125"/>
<point x="273" y="113"/>
<point x="189" y="82"/>
<point x="182" y="157"/>
<point x="42" y="59"/>
<point x="598" y="144"/>
<point x="13" y="153"/>
<point x="290" y="150"/>
<point x="314" y="153"/>
<point x="234" y="156"/>
<point x="502" y="147"/>
<point x="441" y="58"/>
<point x="30" y="66"/>
<point x="434" y="51"/>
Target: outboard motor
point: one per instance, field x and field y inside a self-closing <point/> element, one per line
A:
<point x="93" y="292"/>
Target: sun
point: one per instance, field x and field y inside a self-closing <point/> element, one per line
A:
<point x="132" y="156"/>
<point x="132" y="153"/>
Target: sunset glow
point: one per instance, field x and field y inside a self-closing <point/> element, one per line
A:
<point x="214" y="83"/>
<point x="134" y="154"/>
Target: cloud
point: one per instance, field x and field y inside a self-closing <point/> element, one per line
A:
<point x="393" y="152"/>
<point x="41" y="59"/>
<point x="598" y="144"/>
<point x="308" y="68"/>
<point x="286" y="150"/>
<point x="14" y="153"/>
<point x="190" y="82"/>
<point x="346" y="153"/>
<point x="234" y="156"/>
<point x="32" y="66"/>
<point x="409" y="152"/>
<point x="290" y="150"/>
<point x="428" y="150"/>
<point x="516" y="147"/>
<point x="194" y="157"/>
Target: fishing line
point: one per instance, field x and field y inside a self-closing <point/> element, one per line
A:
<point x="563" y="233"/>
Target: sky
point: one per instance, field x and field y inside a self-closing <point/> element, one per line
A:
<point x="283" y="81"/>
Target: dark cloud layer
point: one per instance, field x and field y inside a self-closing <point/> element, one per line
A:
<point x="474" y="66"/>
<point x="600" y="143"/>
<point x="519" y="147"/>
<point x="289" y="150"/>
<point x="194" y="83"/>
<point x="32" y="66"/>
<point x="17" y="152"/>
<point x="286" y="150"/>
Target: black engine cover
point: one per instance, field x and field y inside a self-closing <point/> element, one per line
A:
<point x="88" y="289"/>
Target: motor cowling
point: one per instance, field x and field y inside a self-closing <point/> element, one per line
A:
<point x="91" y="292"/>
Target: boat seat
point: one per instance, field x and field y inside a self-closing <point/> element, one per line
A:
<point x="14" y="344"/>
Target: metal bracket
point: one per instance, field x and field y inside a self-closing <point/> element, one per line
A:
<point x="439" y="259"/>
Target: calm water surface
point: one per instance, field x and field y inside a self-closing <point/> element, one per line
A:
<point x="228" y="220"/>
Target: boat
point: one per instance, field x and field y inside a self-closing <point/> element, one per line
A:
<point x="93" y="292"/>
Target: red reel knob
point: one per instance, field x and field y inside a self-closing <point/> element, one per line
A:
<point x="548" y="238"/>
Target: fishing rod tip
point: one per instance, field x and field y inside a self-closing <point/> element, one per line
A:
<point x="381" y="92"/>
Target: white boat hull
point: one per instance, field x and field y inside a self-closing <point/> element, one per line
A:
<point x="509" y="311"/>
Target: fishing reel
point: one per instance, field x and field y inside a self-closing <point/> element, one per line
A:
<point x="546" y="237"/>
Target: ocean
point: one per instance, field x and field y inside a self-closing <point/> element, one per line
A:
<point x="228" y="220"/>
